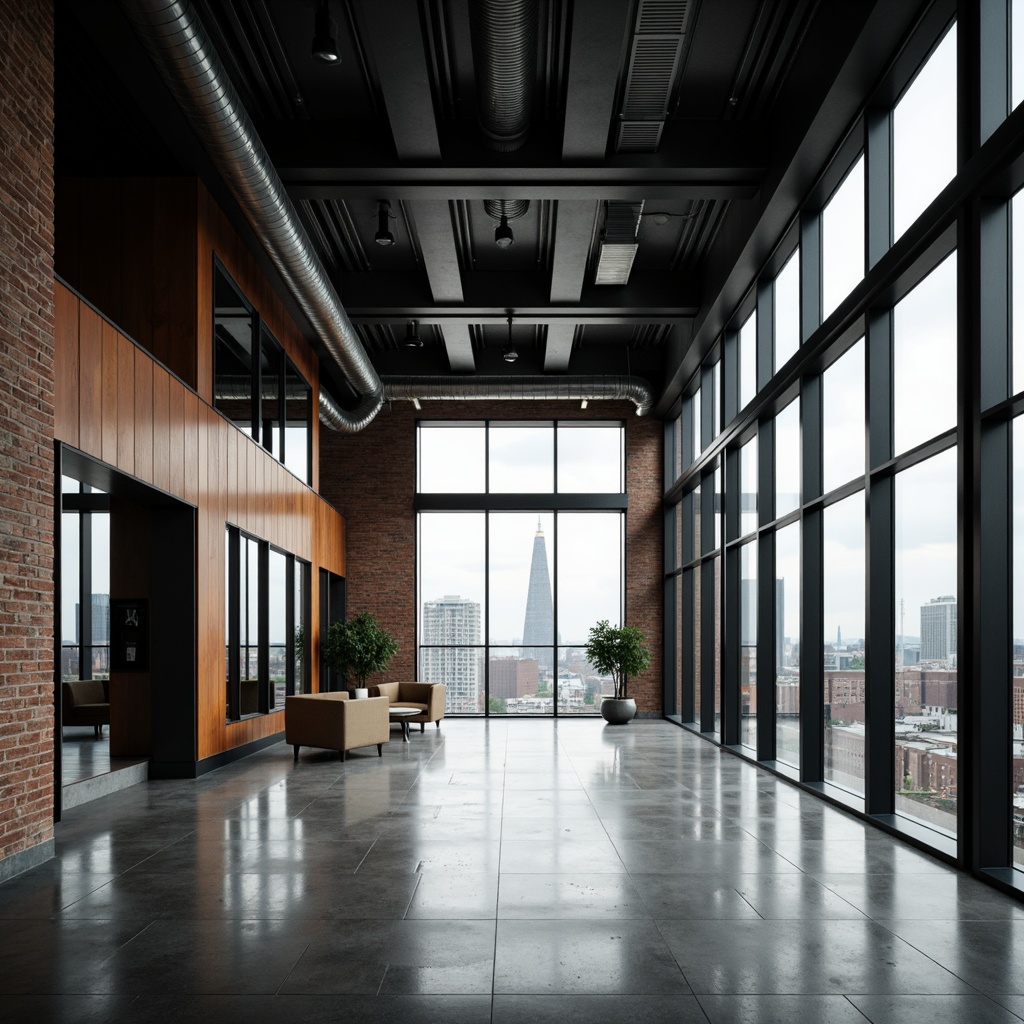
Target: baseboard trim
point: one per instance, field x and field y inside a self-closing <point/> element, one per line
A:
<point x="25" y="860"/>
<point x="196" y="769"/>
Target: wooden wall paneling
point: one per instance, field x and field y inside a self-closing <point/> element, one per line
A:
<point x="126" y="404"/>
<point x="100" y="268"/>
<point x="174" y="301"/>
<point x="143" y="417"/>
<point x="194" y="442"/>
<point x="90" y="406"/>
<point x="176" y="441"/>
<point x="66" y="365"/>
<point x="108" y="440"/>
<point x="161" y="428"/>
<point x="140" y="273"/>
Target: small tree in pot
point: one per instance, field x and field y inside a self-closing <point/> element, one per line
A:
<point x="620" y="651"/>
<point x="358" y="647"/>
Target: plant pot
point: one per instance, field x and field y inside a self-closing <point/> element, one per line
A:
<point x="360" y="691"/>
<point x="618" y="710"/>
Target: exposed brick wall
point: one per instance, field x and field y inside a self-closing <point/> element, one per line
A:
<point x="26" y="426"/>
<point x="370" y="478"/>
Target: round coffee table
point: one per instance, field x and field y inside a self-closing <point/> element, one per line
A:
<point x="403" y="715"/>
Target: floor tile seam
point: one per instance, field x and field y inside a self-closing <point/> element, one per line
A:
<point x="291" y="971"/>
<point x="675" y="959"/>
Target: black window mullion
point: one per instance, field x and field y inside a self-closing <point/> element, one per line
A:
<point x="766" y="613"/>
<point x="263" y="618"/>
<point x="85" y="596"/>
<point x="233" y="625"/>
<point x="289" y="626"/>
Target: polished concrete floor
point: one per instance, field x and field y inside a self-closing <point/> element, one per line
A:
<point x="520" y="871"/>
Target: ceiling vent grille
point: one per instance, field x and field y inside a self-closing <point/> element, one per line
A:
<point x="617" y="249"/>
<point x="655" y="61"/>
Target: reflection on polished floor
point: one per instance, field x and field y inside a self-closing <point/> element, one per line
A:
<point x="510" y="871"/>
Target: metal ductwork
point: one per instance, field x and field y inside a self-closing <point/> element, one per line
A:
<point x="176" y="41"/>
<point x="508" y="388"/>
<point x="504" y="34"/>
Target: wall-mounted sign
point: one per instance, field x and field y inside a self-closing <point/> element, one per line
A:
<point x="129" y="635"/>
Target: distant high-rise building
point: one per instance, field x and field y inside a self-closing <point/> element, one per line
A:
<point x="450" y="650"/>
<point x="938" y="629"/>
<point x="539" y="626"/>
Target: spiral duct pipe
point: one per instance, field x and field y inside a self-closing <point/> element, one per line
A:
<point x="176" y="41"/>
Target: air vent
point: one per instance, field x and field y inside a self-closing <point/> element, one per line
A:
<point x="655" y="62"/>
<point x="662" y="17"/>
<point x="618" y="247"/>
<point x="639" y="136"/>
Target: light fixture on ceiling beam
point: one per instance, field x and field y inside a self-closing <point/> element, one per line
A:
<point x="412" y="335"/>
<point x="325" y="46"/>
<point x="384" y="235"/>
<point x="583" y="403"/>
<point x="510" y="355"/>
<point x="617" y="248"/>
<point x="504" y="210"/>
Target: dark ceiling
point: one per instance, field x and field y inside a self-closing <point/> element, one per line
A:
<point x="656" y="121"/>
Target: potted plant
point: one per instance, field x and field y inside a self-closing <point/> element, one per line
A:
<point x="358" y="647"/>
<point x="620" y="651"/>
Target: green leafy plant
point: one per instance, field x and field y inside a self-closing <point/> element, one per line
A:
<point x="620" y="651"/>
<point x="358" y="647"/>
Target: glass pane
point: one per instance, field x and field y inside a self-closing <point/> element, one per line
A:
<point x="787" y="310"/>
<point x="842" y="240"/>
<point x="924" y="136"/>
<point x="580" y="688"/>
<point x="1017" y="735"/>
<point x="461" y="669"/>
<point x="718" y="508"/>
<point x="842" y="414"/>
<point x="748" y="487"/>
<point x="99" y="524"/>
<point x="748" y="360"/>
<point x="278" y="635"/>
<point x="301" y="645"/>
<point x="715" y="399"/>
<point x="589" y="588"/>
<point x="691" y="528"/>
<point x="516" y="687"/>
<point x="924" y="359"/>
<point x="70" y="590"/>
<point x="843" y="611"/>
<point x="926" y="704"/>
<point x="748" y="644"/>
<point x="787" y="645"/>
<point x="787" y="459"/>
<point x="521" y="459"/>
<point x="250" y="632"/>
<point x="519" y="584"/>
<point x="1017" y="285"/>
<point x="452" y="561"/>
<point x="298" y="424"/>
<point x="590" y="459"/>
<point x="232" y="353"/>
<point x="451" y="459"/>
<point x="695" y="578"/>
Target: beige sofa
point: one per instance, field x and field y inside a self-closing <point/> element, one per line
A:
<point x="85" y="702"/>
<point x="332" y="721"/>
<point x="427" y="698"/>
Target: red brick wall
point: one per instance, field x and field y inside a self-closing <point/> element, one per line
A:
<point x="370" y="478"/>
<point x="26" y="425"/>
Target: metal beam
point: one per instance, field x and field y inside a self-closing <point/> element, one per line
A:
<point x="559" y="346"/>
<point x="595" y="53"/>
<point x="574" y="228"/>
<point x="393" y="31"/>
<point x="458" y="345"/>
<point x="437" y="246"/>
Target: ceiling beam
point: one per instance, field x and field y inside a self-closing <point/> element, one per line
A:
<point x="436" y="240"/>
<point x="393" y="31"/>
<point x="559" y="346"/>
<point x="574" y="227"/>
<point x="595" y="53"/>
<point x="458" y="344"/>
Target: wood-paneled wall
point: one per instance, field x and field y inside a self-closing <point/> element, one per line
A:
<point x="117" y="404"/>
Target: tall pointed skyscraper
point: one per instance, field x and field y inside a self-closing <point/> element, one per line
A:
<point x="538" y="629"/>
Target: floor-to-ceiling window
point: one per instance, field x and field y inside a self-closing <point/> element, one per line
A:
<point x="520" y="550"/>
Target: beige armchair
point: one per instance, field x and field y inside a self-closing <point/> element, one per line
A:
<point x="332" y="721"/>
<point x="85" y="702"/>
<point x="427" y="698"/>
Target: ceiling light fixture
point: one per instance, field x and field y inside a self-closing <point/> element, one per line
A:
<point x="384" y="236"/>
<point x="510" y="355"/>
<point x="503" y="236"/>
<point x="325" y="46"/>
<point x="412" y="335"/>
<point x="583" y="403"/>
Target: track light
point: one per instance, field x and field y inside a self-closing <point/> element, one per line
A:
<point x="325" y="46"/>
<point x="503" y="236"/>
<point x="510" y="355"/>
<point x="384" y="236"/>
<point x="412" y="335"/>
